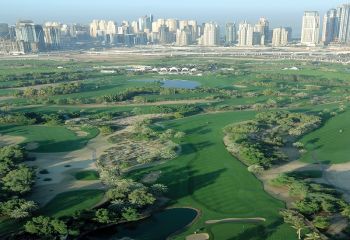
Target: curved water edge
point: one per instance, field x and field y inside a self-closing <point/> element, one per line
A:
<point x="185" y="84"/>
<point x="159" y="226"/>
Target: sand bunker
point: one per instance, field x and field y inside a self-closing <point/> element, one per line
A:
<point x="6" y="140"/>
<point x="199" y="236"/>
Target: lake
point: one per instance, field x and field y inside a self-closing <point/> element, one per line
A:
<point x="157" y="227"/>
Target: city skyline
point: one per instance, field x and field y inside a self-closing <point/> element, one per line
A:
<point x="279" y="13"/>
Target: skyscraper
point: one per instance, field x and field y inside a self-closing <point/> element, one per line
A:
<point x="310" y="34"/>
<point x="184" y="36"/>
<point x="52" y="32"/>
<point x="231" y="34"/>
<point x="245" y="34"/>
<point x="211" y="35"/>
<point x="4" y="30"/>
<point x="344" y="23"/>
<point x="145" y="22"/>
<point x="280" y="37"/>
<point x="329" y="30"/>
<point x="262" y="28"/>
<point x="31" y="35"/>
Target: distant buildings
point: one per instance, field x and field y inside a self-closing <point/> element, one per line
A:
<point x="344" y="23"/>
<point x="184" y="36"/>
<point x="330" y="29"/>
<point x="280" y="37"/>
<point x="53" y="37"/>
<point x="245" y="34"/>
<point x="310" y="34"/>
<point x="4" y="31"/>
<point x="28" y="37"/>
<point x="262" y="32"/>
<point x="211" y="35"/>
<point x="231" y="34"/>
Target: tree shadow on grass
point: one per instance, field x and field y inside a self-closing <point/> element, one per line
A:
<point x="190" y="148"/>
<point x="259" y="231"/>
<point x="184" y="181"/>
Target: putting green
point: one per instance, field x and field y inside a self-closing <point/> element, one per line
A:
<point x="330" y="143"/>
<point x="208" y="178"/>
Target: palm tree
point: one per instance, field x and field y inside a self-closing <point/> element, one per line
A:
<point x="313" y="236"/>
<point x="293" y="219"/>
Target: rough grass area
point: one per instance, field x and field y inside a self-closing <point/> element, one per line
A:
<point x="88" y="175"/>
<point x="67" y="203"/>
<point x="329" y="144"/>
<point x="50" y="138"/>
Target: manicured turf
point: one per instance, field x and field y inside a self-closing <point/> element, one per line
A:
<point x="50" y="138"/>
<point x="208" y="178"/>
<point x="67" y="203"/>
<point x="87" y="175"/>
<point x="330" y="143"/>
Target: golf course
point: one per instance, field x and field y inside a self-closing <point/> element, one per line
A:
<point x="238" y="149"/>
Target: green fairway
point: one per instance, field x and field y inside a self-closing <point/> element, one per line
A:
<point x="329" y="144"/>
<point x="87" y="175"/>
<point x="208" y="178"/>
<point x="50" y="138"/>
<point x="67" y="203"/>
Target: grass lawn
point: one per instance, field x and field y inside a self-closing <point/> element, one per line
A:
<point x="67" y="203"/>
<point x="330" y="143"/>
<point x="208" y="178"/>
<point x="50" y="138"/>
<point x="87" y="175"/>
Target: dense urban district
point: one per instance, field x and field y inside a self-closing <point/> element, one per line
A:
<point x="28" y="37"/>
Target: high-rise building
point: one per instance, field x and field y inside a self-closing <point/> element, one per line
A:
<point x="165" y="37"/>
<point x="262" y="32"/>
<point x="53" y="38"/>
<point x="184" y="36"/>
<point x="112" y="28"/>
<point x="4" y="31"/>
<point x="145" y="22"/>
<point x="310" y="34"/>
<point x="135" y="26"/>
<point x="211" y="34"/>
<point x="280" y="37"/>
<point x="245" y="34"/>
<point x="344" y="23"/>
<point x="172" y="24"/>
<point x="231" y="34"/>
<point x="31" y="35"/>
<point x="329" y="30"/>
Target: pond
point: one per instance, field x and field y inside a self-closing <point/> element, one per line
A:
<point x="186" y="84"/>
<point x="157" y="227"/>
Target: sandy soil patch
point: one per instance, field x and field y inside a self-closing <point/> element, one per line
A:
<point x="239" y="86"/>
<point x="78" y="131"/>
<point x="199" y="236"/>
<point x="10" y="140"/>
<point x="60" y="166"/>
<point x="151" y="177"/>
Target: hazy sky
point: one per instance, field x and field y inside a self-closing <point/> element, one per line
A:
<point x="279" y="12"/>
